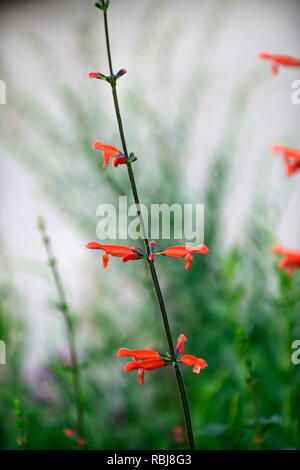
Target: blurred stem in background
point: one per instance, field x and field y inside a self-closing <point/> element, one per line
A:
<point x="251" y="382"/>
<point x="155" y="280"/>
<point x="64" y="308"/>
<point x="20" y="424"/>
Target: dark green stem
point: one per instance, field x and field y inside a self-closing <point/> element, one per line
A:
<point x="64" y="308"/>
<point x="156" y="284"/>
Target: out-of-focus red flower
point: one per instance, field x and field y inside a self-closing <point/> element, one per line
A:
<point x="277" y="60"/>
<point x="120" y="251"/>
<point x="185" y="251"/>
<point x="178" y="432"/>
<point x="68" y="432"/>
<point x="81" y="442"/>
<point x="290" y="258"/>
<point x="109" y="152"/>
<point x="145" y="359"/>
<point x="291" y="158"/>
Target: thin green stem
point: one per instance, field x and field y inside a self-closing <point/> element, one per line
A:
<point x="153" y="273"/>
<point x="64" y="308"/>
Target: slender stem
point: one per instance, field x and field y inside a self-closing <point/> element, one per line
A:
<point x="64" y="308"/>
<point x="156" y="284"/>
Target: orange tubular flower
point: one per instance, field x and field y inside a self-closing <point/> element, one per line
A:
<point x="109" y="152"/>
<point x="291" y="158"/>
<point x="277" y="60"/>
<point x="290" y="258"/>
<point x="120" y="251"/>
<point x="185" y="251"/>
<point x="144" y="359"/>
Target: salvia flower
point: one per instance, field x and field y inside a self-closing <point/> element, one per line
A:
<point x="120" y="251"/>
<point x="290" y="258"/>
<point x="147" y="359"/>
<point x="291" y="158"/>
<point x="277" y="60"/>
<point x="109" y="152"/>
<point x="185" y="252"/>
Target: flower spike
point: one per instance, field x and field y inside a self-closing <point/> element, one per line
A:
<point x="146" y="359"/>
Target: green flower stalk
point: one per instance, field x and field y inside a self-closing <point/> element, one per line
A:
<point x="64" y="308"/>
<point x="127" y="159"/>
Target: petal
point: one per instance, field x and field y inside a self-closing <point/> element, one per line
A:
<point x="119" y="161"/>
<point x="105" y="159"/>
<point x="129" y="256"/>
<point x="189" y="260"/>
<point x="180" y="344"/>
<point x="148" y="364"/>
<point x="264" y="55"/>
<point x="141" y="373"/>
<point x="97" y="145"/>
<point x="286" y="60"/>
<point x="277" y="249"/>
<point x="274" y="68"/>
<point x="190" y="360"/>
<point x="116" y="250"/>
<point x="138" y="353"/>
<point x="105" y="259"/>
<point x="198" y="249"/>
<point x="175" y="251"/>
<point x="94" y="246"/>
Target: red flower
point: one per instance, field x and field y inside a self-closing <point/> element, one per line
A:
<point x="121" y="251"/>
<point x="178" y="432"/>
<point x="290" y="258"/>
<point x="81" y="442"/>
<point x="291" y="158"/>
<point x="144" y="359"/>
<point x="109" y="151"/>
<point x="279" y="60"/>
<point x="185" y="251"/>
<point x="68" y="432"/>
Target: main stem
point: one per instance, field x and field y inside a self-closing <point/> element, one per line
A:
<point x="156" y="284"/>
<point x="70" y="333"/>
